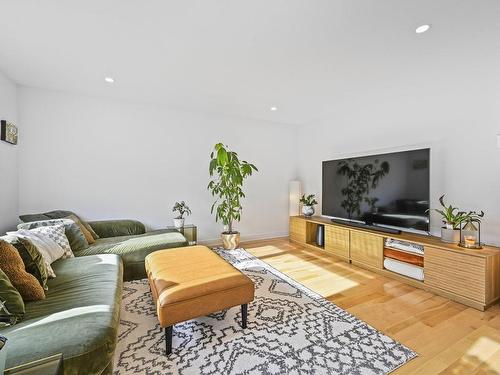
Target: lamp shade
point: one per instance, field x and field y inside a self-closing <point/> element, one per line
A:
<point x="294" y="189"/>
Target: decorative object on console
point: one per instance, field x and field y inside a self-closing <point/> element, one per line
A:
<point x="227" y="173"/>
<point x="470" y="232"/>
<point x="294" y="190"/>
<point x="320" y="235"/>
<point x="308" y="202"/>
<point x="183" y="209"/>
<point x="8" y="132"/>
<point x="452" y="220"/>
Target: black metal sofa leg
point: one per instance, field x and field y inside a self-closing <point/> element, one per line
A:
<point x="244" y="315"/>
<point x="168" y="339"/>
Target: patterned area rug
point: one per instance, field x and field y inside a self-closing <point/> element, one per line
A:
<point x="291" y="330"/>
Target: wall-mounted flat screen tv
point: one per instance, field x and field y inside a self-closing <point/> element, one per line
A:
<point x="386" y="189"/>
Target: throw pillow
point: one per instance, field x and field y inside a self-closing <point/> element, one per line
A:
<point x="76" y="239"/>
<point x="85" y="231"/>
<point x="33" y="262"/>
<point x="32" y="259"/>
<point x="12" y="265"/>
<point x="56" y="233"/>
<point x="11" y="302"/>
<point x="49" y="249"/>
<point x="57" y="214"/>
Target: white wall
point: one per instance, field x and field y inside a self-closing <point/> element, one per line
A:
<point x="109" y="159"/>
<point x="8" y="159"/>
<point x="459" y="121"/>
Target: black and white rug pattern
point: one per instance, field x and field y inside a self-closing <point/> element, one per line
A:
<point x="291" y="330"/>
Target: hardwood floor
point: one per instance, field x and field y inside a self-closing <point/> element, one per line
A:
<point x="450" y="338"/>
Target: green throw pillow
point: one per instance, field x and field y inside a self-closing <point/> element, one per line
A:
<point x="33" y="261"/>
<point x="76" y="239"/>
<point x="10" y="298"/>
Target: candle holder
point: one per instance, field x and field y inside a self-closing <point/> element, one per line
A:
<point x="470" y="233"/>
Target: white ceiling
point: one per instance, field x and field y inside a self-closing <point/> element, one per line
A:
<point x="242" y="57"/>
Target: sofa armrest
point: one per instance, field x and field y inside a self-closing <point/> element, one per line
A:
<point x="116" y="228"/>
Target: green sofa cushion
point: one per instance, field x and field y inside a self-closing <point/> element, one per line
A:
<point x="79" y="317"/>
<point x="11" y="298"/>
<point x="115" y="228"/>
<point x="133" y="249"/>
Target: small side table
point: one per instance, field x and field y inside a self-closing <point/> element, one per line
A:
<point x="52" y="365"/>
<point x="189" y="231"/>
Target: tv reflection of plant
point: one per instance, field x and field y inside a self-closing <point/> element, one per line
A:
<point x="360" y="179"/>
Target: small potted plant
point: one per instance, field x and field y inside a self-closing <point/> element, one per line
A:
<point x="452" y="219"/>
<point x="308" y="202"/>
<point x="182" y="209"/>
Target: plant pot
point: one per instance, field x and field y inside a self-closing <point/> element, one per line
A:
<point x="230" y="241"/>
<point x="308" y="210"/>
<point x="450" y="235"/>
<point x="179" y="223"/>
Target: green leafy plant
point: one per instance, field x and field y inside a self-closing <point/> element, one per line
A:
<point x="372" y="202"/>
<point x="360" y="180"/>
<point x="227" y="173"/>
<point x="472" y="217"/>
<point x="182" y="209"/>
<point x="308" y="200"/>
<point x="451" y="216"/>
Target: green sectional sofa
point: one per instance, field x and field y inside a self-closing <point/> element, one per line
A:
<point x="127" y="238"/>
<point x="80" y="315"/>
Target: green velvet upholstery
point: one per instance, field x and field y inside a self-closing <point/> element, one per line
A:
<point x="11" y="298"/>
<point x="133" y="249"/>
<point x="79" y="317"/>
<point x="116" y="228"/>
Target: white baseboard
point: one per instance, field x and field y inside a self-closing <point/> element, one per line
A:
<point x="244" y="238"/>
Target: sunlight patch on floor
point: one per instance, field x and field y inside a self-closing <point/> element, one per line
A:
<point x="485" y="352"/>
<point x="334" y="281"/>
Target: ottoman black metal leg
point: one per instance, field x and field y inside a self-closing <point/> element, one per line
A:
<point x="244" y="314"/>
<point x="168" y="339"/>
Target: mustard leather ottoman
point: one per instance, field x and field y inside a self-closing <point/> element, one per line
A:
<point x="189" y="282"/>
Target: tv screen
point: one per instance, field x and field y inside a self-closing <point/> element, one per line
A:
<point x="386" y="189"/>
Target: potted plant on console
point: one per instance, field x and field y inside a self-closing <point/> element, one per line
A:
<point x="227" y="174"/>
<point x="308" y="202"/>
<point x="182" y="209"/>
<point x="452" y="219"/>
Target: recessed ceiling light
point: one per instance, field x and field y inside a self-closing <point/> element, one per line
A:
<point x="422" y="29"/>
<point x="109" y="79"/>
<point x="273" y="108"/>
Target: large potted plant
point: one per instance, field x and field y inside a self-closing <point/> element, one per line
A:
<point x="182" y="209"/>
<point x="452" y="219"/>
<point x="227" y="173"/>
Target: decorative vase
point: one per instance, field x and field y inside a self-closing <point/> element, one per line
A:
<point x="230" y="241"/>
<point x="450" y="235"/>
<point x="308" y="210"/>
<point x="179" y="223"/>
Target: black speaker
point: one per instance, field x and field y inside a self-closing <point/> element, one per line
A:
<point x="320" y="235"/>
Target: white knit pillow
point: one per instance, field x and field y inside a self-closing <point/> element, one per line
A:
<point x="56" y="233"/>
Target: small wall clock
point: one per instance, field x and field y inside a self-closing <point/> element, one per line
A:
<point x="8" y="132"/>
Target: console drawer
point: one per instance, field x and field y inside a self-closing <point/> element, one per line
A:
<point x="337" y="241"/>
<point x="297" y="229"/>
<point x="461" y="274"/>
<point x="368" y="249"/>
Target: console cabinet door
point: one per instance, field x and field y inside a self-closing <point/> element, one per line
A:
<point x="297" y="229"/>
<point x="337" y="241"/>
<point x="460" y="274"/>
<point x="367" y="249"/>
